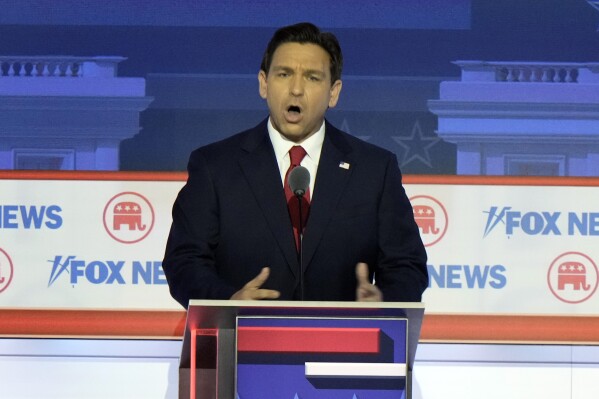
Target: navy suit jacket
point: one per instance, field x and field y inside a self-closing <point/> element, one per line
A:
<point x="231" y="219"/>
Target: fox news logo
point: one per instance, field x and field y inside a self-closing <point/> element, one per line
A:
<point x="542" y="223"/>
<point x="471" y="276"/>
<point x="107" y="272"/>
<point x="30" y="217"/>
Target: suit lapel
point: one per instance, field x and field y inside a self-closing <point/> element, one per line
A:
<point x="260" y="168"/>
<point x="331" y="181"/>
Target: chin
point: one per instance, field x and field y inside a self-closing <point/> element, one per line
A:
<point x="293" y="134"/>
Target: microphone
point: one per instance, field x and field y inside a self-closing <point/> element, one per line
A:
<point x="299" y="181"/>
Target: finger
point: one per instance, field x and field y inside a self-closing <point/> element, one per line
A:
<point x="365" y="291"/>
<point x="369" y="293"/>
<point x="266" y="294"/>
<point x="257" y="281"/>
<point x="362" y="273"/>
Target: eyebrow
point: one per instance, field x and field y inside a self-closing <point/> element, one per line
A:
<point x="315" y="72"/>
<point x="306" y="72"/>
<point x="281" y="68"/>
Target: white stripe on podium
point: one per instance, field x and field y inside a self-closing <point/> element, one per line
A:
<point x="358" y="370"/>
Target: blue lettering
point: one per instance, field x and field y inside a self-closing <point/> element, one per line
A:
<point x="580" y="224"/>
<point x="453" y="276"/>
<point x="77" y="267"/>
<point x="586" y="224"/>
<point x="9" y="213"/>
<point x="107" y="272"/>
<point x="32" y="214"/>
<point x="500" y="280"/>
<point x="551" y="226"/>
<point x="159" y="277"/>
<point x="115" y="272"/>
<point x="30" y="217"/>
<point x="96" y="272"/>
<point x="150" y="273"/>
<point x="475" y="277"/>
<point x="55" y="219"/>
<point x="437" y="277"/>
<point x="532" y="223"/>
<point x="144" y="272"/>
<point x="513" y="220"/>
<point x="594" y="224"/>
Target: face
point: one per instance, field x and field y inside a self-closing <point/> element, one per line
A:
<point x="298" y="89"/>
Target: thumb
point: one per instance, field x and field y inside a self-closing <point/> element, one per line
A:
<point x="362" y="273"/>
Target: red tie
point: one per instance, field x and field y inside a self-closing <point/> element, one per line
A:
<point x="296" y="153"/>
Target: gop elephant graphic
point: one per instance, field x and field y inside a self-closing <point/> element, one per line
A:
<point x="574" y="274"/>
<point x="425" y="219"/>
<point x="128" y="213"/>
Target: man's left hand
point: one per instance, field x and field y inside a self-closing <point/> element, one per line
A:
<point x="366" y="291"/>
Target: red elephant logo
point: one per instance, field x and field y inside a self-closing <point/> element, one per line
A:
<point x="431" y="218"/>
<point x="573" y="277"/>
<point x="128" y="213"/>
<point x="574" y="274"/>
<point x="6" y="270"/>
<point x="128" y="217"/>
<point x="425" y="219"/>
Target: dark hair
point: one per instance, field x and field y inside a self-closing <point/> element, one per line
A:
<point x="306" y="32"/>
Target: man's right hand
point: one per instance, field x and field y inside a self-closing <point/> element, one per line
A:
<point x="252" y="290"/>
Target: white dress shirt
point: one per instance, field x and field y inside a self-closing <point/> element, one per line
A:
<point x="312" y="145"/>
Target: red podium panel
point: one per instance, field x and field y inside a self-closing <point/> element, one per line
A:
<point x="306" y="339"/>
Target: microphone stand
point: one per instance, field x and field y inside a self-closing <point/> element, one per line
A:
<point x="299" y="183"/>
<point x="300" y="234"/>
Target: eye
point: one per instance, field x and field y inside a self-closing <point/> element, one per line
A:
<point x="314" y="78"/>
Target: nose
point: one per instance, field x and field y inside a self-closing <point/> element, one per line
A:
<point x="297" y="85"/>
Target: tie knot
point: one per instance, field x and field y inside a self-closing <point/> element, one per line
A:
<point x="296" y="153"/>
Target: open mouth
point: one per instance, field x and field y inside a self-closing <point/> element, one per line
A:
<point x="293" y="109"/>
<point x="293" y="114"/>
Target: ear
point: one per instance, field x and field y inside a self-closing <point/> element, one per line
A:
<point x="335" y="90"/>
<point x="262" y="84"/>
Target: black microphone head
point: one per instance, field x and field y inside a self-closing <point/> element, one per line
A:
<point x="299" y="180"/>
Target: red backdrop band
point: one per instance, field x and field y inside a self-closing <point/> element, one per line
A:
<point x="171" y="324"/>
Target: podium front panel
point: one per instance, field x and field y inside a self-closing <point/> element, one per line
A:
<point x="356" y="349"/>
<point x="315" y="357"/>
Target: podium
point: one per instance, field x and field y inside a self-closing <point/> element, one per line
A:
<point x="299" y="350"/>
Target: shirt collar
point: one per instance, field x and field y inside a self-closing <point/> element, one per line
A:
<point x="282" y="145"/>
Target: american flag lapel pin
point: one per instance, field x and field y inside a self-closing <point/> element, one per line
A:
<point x="344" y="165"/>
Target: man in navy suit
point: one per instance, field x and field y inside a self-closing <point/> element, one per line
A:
<point x="232" y="235"/>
